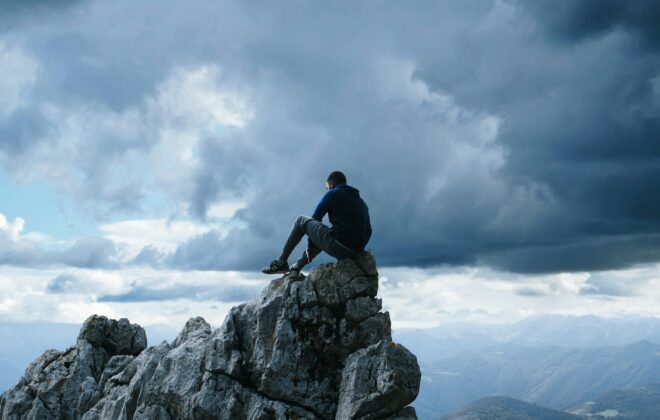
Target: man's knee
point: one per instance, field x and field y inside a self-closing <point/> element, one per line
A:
<point x="302" y="220"/>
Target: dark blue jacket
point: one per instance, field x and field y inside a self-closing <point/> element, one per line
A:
<point x="348" y="214"/>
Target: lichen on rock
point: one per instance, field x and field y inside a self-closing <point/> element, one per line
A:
<point x="309" y="347"/>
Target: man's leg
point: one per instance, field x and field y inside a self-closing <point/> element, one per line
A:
<point x="310" y="253"/>
<point x="296" y="234"/>
<point x="321" y="236"/>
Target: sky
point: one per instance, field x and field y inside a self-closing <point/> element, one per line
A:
<point x="154" y="155"/>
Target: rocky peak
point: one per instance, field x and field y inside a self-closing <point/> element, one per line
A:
<point x="312" y="347"/>
<point x="116" y="337"/>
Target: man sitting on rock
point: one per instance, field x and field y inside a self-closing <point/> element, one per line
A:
<point x="349" y="234"/>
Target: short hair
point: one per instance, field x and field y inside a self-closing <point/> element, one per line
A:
<point x="337" y="177"/>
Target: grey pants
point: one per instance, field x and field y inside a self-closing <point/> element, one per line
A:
<point x="321" y="236"/>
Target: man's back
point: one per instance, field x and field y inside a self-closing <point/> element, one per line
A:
<point x="348" y="214"/>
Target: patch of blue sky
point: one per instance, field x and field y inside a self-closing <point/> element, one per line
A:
<point x="154" y="205"/>
<point x="38" y="204"/>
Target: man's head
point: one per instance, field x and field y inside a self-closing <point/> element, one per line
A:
<point x="335" y="178"/>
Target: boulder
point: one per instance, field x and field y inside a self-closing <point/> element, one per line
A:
<point x="378" y="381"/>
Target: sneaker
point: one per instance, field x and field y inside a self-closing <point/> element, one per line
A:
<point x="276" y="267"/>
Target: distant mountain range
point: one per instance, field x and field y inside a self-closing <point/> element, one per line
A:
<point x="505" y="408"/>
<point x="552" y="360"/>
<point x="639" y="404"/>
<point x="631" y="404"/>
<point x="547" y="330"/>
<point x="550" y="376"/>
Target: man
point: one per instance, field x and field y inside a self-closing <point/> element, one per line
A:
<point x="349" y="234"/>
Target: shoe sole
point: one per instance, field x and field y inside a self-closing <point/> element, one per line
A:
<point x="275" y="272"/>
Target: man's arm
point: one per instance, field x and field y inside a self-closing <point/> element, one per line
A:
<point x="323" y="207"/>
<point x="368" y="228"/>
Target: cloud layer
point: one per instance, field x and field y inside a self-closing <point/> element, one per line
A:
<point x="518" y="136"/>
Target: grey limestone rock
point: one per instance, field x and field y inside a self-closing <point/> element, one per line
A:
<point x="378" y="381"/>
<point x="65" y="384"/>
<point x="315" y="347"/>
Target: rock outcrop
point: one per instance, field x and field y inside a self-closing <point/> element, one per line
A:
<point x="309" y="347"/>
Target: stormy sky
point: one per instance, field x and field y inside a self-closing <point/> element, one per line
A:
<point x="143" y="143"/>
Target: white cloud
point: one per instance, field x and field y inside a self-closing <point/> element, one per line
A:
<point x="197" y="97"/>
<point x="11" y="230"/>
<point x="111" y="160"/>
<point x="225" y="209"/>
<point x="162" y="234"/>
<point x="193" y="104"/>
<point x="120" y="242"/>
<point x="19" y="73"/>
<point x="415" y="298"/>
<point x="14" y="239"/>
<point x="91" y="154"/>
<point x="418" y="298"/>
<point x="34" y="249"/>
<point x="25" y="294"/>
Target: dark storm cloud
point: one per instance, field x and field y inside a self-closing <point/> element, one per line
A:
<point x="213" y="177"/>
<point x="200" y="253"/>
<point x="474" y="136"/>
<point x="578" y="20"/>
<point x="579" y="135"/>
<point x="604" y="253"/>
<point x="14" y="12"/>
<point x="581" y="120"/>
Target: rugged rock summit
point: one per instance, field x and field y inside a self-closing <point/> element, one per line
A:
<point x="309" y="347"/>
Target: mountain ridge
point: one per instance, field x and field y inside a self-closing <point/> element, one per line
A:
<point x="507" y="408"/>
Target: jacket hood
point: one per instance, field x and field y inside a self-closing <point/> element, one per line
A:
<point x="349" y="189"/>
